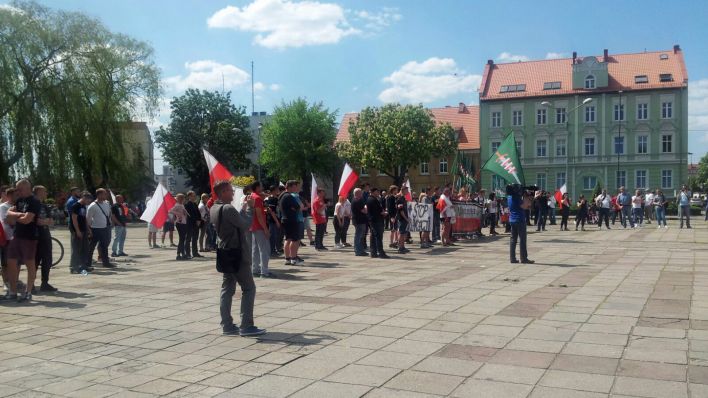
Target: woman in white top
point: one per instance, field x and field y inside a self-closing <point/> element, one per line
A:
<point x="180" y="215"/>
<point x="340" y="219"/>
<point x="637" y="208"/>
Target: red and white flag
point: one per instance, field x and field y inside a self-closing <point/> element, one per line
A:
<point x="313" y="189"/>
<point x="349" y="177"/>
<point x="559" y="195"/>
<point x="217" y="171"/>
<point x="157" y="207"/>
<point x="409" y="195"/>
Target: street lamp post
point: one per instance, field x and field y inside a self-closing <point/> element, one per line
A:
<point x="567" y="153"/>
<point x="260" y="126"/>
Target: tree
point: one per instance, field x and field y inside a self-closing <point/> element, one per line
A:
<point x="205" y="119"/>
<point x="298" y="140"/>
<point x="394" y="137"/>
<point x="595" y="192"/>
<point x="702" y="173"/>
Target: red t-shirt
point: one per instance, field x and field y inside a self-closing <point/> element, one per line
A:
<point x="318" y="211"/>
<point x="257" y="207"/>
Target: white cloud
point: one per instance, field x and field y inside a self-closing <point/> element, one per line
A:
<point x="281" y="24"/>
<point x="698" y="117"/>
<point x="7" y="7"/>
<point x="553" y="55"/>
<point x="258" y="86"/>
<point x="509" y="57"/>
<point x="207" y="75"/>
<point x="427" y="81"/>
<point x="274" y="87"/>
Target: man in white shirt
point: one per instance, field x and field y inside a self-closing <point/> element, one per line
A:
<point x="648" y="209"/>
<point x="638" y="208"/>
<point x="8" y="200"/>
<point x="98" y="221"/>
<point x="447" y="214"/>
<point x="603" y="202"/>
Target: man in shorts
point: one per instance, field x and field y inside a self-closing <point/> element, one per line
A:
<point x="23" y="247"/>
<point x="289" y="209"/>
<point x="169" y="228"/>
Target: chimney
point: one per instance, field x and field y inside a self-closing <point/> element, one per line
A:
<point x="575" y="56"/>
<point x="462" y="108"/>
<point x="604" y="55"/>
<point x="490" y="62"/>
<point x="677" y="48"/>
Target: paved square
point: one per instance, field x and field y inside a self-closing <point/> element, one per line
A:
<point x="619" y="313"/>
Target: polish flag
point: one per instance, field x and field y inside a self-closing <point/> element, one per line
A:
<point x="217" y="171"/>
<point x="348" y="180"/>
<point x="313" y="189"/>
<point x="559" y="195"/>
<point x="409" y="195"/>
<point x="157" y="207"/>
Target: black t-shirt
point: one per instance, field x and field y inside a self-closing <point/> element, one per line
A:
<point x="435" y="198"/>
<point x="374" y="208"/>
<point x="401" y="208"/>
<point x="29" y="231"/>
<point x="358" y="216"/>
<point x="80" y="211"/>
<point x="44" y="212"/>
<point x="192" y="212"/>
<point x="272" y="203"/>
<point x="391" y="205"/>
<point x="117" y="211"/>
<point x="288" y="207"/>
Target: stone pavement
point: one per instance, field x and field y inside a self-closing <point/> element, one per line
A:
<point x="620" y="313"/>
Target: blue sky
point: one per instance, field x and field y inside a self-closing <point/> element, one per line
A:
<point x="350" y="54"/>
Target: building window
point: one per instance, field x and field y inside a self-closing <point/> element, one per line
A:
<point x="561" y="147"/>
<point x="540" y="116"/>
<point x="519" y="148"/>
<point x="551" y="85"/>
<point x="642" y="144"/>
<point x="621" y="178"/>
<point x="496" y="119"/>
<point x="589" y="146"/>
<point x="667" y="111"/>
<point x="590" y="114"/>
<point x="541" y="148"/>
<point x="364" y="172"/>
<point x="589" y="182"/>
<point x="619" y="145"/>
<point x="517" y="118"/>
<point x="495" y="146"/>
<point x="442" y="166"/>
<point x="639" y="79"/>
<point x="541" y="181"/>
<point x="498" y="182"/>
<point x="641" y="179"/>
<point x="642" y="111"/>
<point x="619" y="112"/>
<point x="560" y="179"/>
<point x="560" y="116"/>
<point x="666" y="143"/>
<point x="666" y="180"/>
<point x="424" y="170"/>
<point x="666" y="77"/>
<point x="590" y="82"/>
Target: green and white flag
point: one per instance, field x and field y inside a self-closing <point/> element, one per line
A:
<point x="505" y="162"/>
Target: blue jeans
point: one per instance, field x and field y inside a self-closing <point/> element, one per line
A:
<point x="660" y="215"/>
<point x="359" y="230"/>
<point x="119" y="239"/>
<point x="638" y="214"/>
<point x="627" y="216"/>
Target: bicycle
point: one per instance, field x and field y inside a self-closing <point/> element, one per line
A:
<point x="57" y="251"/>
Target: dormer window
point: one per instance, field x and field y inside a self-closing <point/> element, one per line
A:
<point x="664" y="57"/>
<point x="666" y="77"/>
<point x="512" y="88"/>
<point x="590" y="82"/>
<point x="641" y="79"/>
<point x="551" y="85"/>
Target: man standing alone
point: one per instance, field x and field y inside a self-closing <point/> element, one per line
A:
<point x="517" y="218"/>
<point x="231" y="226"/>
<point x="684" y="206"/>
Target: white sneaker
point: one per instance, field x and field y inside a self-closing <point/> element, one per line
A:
<point x="659" y="227"/>
<point x="338" y="246"/>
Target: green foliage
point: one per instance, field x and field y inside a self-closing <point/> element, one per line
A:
<point x="702" y="174"/>
<point x="595" y="192"/>
<point x="205" y="119"/>
<point x="299" y="140"/>
<point x="394" y="137"/>
<point x="66" y="84"/>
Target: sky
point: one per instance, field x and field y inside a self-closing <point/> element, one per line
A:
<point x="353" y="54"/>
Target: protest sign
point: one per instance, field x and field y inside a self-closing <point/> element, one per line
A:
<point x="468" y="218"/>
<point x="421" y="217"/>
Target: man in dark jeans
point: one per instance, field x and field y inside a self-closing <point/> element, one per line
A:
<point x="99" y="223"/>
<point x="377" y="214"/>
<point x="194" y="220"/>
<point x="80" y="259"/>
<point x="517" y="218"/>
<point x="44" y="243"/>
<point x="231" y="226"/>
<point x="360" y="221"/>
<point x="436" y="214"/>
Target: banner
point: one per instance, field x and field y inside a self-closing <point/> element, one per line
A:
<point x="468" y="217"/>
<point x="505" y="162"/>
<point x="421" y="217"/>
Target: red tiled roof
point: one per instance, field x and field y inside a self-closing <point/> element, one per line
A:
<point x="464" y="119"/>
<point x="622" y="68"/>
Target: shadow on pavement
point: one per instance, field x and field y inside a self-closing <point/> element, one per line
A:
<point x="299" y="338"/>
